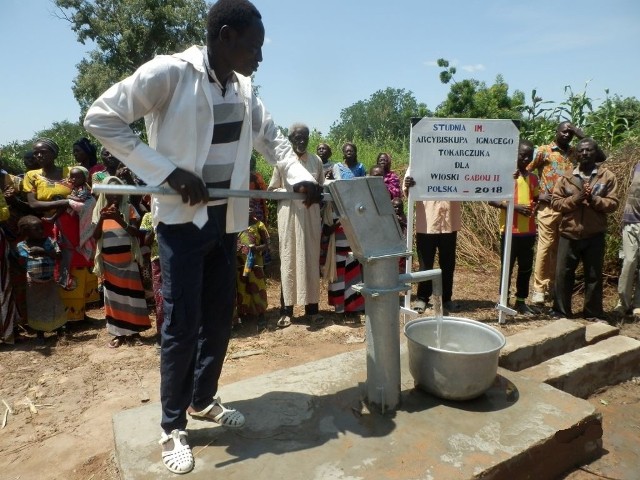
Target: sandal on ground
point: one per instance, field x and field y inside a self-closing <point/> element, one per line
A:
<point x="420" y="306"/>
<point x="284" y="321"/>
<point x="115" y="342"/>
<point x="227" y="417"/>
<point x="261" y="325"/>
<point x="316" y="319"/>
<point x="135" y="340"/>
<point x="179" y="459"/>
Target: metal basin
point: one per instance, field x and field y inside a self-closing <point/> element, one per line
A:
<point x="466" y="363"/>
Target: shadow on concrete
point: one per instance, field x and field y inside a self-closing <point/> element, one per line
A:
<point x="283" y="422"/>
<point x="502" y="394"/>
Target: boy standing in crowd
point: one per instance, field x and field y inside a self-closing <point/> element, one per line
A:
<point x="523" y="231"/>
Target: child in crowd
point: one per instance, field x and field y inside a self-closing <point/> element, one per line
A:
<point x="38" y="254"/>
<point x="398" y="208"/>
<point x="251" y="285"/>
<point x="118" y="259"/>
<point x="259" y="205"/>
<point x="376" y="171"/>
<point x="151" y="241"/>
<point x="81" y="204"/>
<point x="80" y="189"/>
<point x="523" y="234"/>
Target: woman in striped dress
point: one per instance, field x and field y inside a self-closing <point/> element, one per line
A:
<point x="117" y="260"/>
<point x="342" y="270"/>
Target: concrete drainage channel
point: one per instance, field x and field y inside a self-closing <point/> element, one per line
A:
<point x="581" y="360"/>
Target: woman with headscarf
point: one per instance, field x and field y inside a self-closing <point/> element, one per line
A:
<point x="391" y="179"/>
<point x="342" y="270"/>
<point x="47" y="191"/>
<point x="86" y="155"/>
<point x="118" y="261"/>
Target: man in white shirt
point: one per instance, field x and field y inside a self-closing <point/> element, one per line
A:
<point x="202" y="122"/>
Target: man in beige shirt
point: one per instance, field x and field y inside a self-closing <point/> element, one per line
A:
<point x="437" y="225"/>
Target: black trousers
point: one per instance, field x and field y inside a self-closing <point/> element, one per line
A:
<point x="427" y="244"/>
<point x="522" y="251"/>
<point x="199" y="289"/>
<point x="570" y="252"/>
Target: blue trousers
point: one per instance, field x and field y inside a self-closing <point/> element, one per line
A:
<point x="198" y="284"/>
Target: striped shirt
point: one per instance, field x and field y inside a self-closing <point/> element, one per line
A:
<point x="228" y="114"/>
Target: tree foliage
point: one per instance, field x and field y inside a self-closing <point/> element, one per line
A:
<point x="447" y="74"/>
<point x="126" y="34"/>
<point x="471" y="98"/>
<point x="384" y="117"/>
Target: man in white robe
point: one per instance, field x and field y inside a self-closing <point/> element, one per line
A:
<point x="299" y="230"/>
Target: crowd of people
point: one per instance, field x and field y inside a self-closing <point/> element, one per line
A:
<point x="66" y="250"/>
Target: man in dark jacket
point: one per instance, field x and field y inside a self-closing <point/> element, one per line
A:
<point x="584" y="197"/>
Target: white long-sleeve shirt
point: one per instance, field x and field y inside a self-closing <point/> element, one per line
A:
<point x="173" y="95"/>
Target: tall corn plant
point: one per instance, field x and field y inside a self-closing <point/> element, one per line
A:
<point x="576" y="108"/>
<point x="537" y="125"/>
<point x="607" y="126"/>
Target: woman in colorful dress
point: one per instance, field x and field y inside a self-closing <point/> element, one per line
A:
<point x="391" y="180"/>
<point x="9" y="314"/>
<point x="47" y="190"/>
<point x="342" y="271"/>
<point x="118" y="260"/>
<point x="251" y="292"/>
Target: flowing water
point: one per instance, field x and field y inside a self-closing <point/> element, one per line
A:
<point x="437" y="310"/>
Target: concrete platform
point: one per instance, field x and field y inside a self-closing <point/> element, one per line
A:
<point x="597" y="332"/>
<point x="587" y="369"/>
<point x="309" y="422"/>
<point x="531" y="347"/>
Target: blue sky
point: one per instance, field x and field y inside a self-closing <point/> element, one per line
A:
<point x="323" y="56"/>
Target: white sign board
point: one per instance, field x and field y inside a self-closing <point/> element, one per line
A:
<point x="463" y="158"/>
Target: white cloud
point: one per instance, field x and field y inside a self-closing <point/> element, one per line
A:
<point x="431" y="63"/>
<point x="478" y="67"/>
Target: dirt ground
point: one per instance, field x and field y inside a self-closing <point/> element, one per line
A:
<point x="63" y="396"/>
